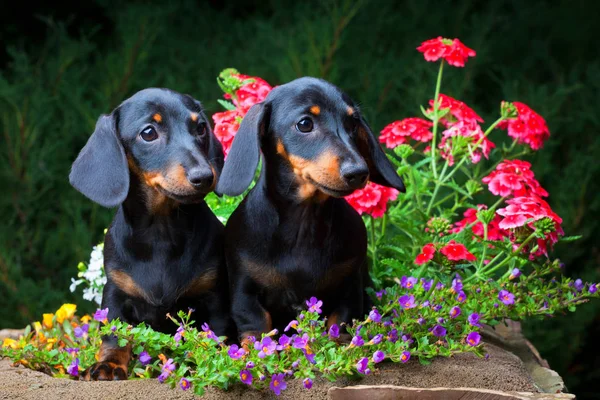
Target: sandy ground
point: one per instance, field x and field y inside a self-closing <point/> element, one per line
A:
<point x="503" y="371"/>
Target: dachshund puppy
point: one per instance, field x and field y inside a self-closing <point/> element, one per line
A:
<point x="155" y="157"/>
<point x="294" y="236"/>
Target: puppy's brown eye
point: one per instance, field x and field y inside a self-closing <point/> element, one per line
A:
<point x="305" y="125"/>
<point x="149" y="134"/>
<point x="202" y="129"/>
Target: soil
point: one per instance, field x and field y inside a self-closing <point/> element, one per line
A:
<point x="503" y="371"/>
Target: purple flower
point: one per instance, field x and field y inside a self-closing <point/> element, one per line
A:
<point x="496" y="305"/>
<point x="407" y="338"/>
<point x="169" y="366"/>
<point x="405" y="356"/>
<point x="378" y="356"/>
<point x="310" y="356"/>
<point x="72" y="350"/>
<point x="440" y="320"/>
<point x="392" y="336"/>
<point x="314" y="305"/>
<point x="144" y="358"/>
<point x="235" y="352"/>
<point x="407" y="301"/>
<point x="295" y="364"/>
<point x="163" y="376"/>
<point x="387" y="323"/>
<point x="209" y="333"/>
<point x="81" y="331"/>
<point x="246" y="377"/>
<point x="506" y="297"/>
<point x="284" y="342"/>
<point x="408" y="282"/>
<point x="455" y="312"/>
<point x="474" y="319"/>
<point x="593" y="288"/>
<point x="473" y="338"/>
<point x="101" y="315"/>
<point x="380" y="293"/>
<point x="425" y="304"/>
<point x="179" y="334"/>
<point x="277" y="383"/>
<point x="426" y="284"/>
<point x="362" y="366"/>
<point x="439" y="331"/>
<point x="334" y="331"/>
<point x="579" y="285"/>
<point x="307" y="383"/>
<point x="374" y="316"/>
<point x="265" y="347"/>
<point x="421" y="321"/>
<point x="457" y="284"/>
<point x="357" y="341"/>
<point x="184" y="384"/>
<point x="249" y="365"/>
<point x="515" y="273"/>
<point x="461" y="297"/>
<point x="73" y="369"/>
<point x="113" y="328"/>
<point x="437" y="307"/>
<point x="292" y="324"/>
<point x="300" y="342"/>
<point x="439" y="286"/>
<point x="376" y="339"/>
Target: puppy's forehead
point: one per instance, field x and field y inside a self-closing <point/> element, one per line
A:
<point x="163" y="102"/>
<point x="308" y="92"/>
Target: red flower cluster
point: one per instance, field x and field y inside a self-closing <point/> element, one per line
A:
<point x="514" y="178"/>
<point x="426" y="254"/>
<point x="453" y="251"/>
<point x="372" y="199"/>
<point x="529" y="127"/>
<point x="459" y="110"/>
<point x="399" y="132"/>
<point x="227" y="123"/>
<point x="524" y="211"/>
<point x="494" y="230"/>
<point x="478" y="144"/>
<point x="453" y="51"/>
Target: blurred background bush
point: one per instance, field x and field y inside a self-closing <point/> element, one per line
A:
<point x="63" y="64"/>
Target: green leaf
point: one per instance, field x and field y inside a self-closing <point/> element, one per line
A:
<point x="571" y="238"/>
<point x="226" y="105"/>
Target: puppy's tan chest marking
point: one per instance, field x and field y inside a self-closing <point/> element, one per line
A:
<point x="125" y="282"/>
<point x="202" y="283"/>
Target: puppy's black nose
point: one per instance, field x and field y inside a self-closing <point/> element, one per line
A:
<point x="200" y="178"/>
<point x="355" y="175"/>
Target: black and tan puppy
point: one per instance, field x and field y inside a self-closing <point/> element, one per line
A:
<point x="155" y="157"/>
<point x="294" y="236"/>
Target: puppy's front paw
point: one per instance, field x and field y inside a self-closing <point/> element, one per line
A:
<point x="105" y="371"/>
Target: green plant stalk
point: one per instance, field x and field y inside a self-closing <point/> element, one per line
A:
<point x="438" y="184"/>
<point x="436" y="118"/>
<point x="373" y="243"/>
<point x="384" y="224"/>
<point x="485" y="238"/>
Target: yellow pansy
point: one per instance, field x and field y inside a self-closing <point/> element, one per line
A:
<point x="8" y="342"/>
<point x="37" y="326"/>
<point x="50" y="342"/>
<point x="47" y="320"/>
<point x="85" y="319"/>
<point x="66" y="311"/>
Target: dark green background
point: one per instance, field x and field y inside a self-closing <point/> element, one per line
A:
<point x="63" y="65"/>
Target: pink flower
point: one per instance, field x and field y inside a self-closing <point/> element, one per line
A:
<point x="251" y="93"/>
<point x="529" y="127"/>
<point x="494" y="230"/>
<point x="456" y="252"/>
<point x="372" y="199"/>
<point x="513" y="178"/>
<point x="478" y="144"/>
<point x="459" y="111"/>
<point x="426" y="254"/>
<point x="227" y="124"/>
<point x="453" y="51"/>
<point x="399" y="132"/>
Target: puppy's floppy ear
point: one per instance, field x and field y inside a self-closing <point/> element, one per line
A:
<point x="100" y="171"/>
<point x="381" y="170"/>
<point x="244" y="154"/>
<point x="215" y="150"/>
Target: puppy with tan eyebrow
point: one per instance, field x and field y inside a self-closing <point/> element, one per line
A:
<point x="155" y="158"/>
<point x="294" y="236"/>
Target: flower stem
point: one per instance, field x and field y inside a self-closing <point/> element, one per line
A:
<point x="438" y="184"/>
<point x="373" y="243"/>
<point x="436" y="118"/>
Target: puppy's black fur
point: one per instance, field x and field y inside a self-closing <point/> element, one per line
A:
<point x="155" y="157"/>
<point x="294" y="236"/>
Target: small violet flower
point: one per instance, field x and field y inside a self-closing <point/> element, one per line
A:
<point x="144" y="358"/>
<point x="514" y="274"/>
<point x="362" y="366"/>
<point x="461" y="297"/>
<point x="392" y="336"/>
<point x="473" y="338"/>
<point x="72" y="350"/>
<point x="277" y="383"/>
<point x="457" y="285"/>
<point x="378" y="356"/>
<point x="438" y="331"/>
<point x="334" y="331"/>
<point x="426" y="284"/>
<point x="184" y="384"/>
<point x="474" y="319"/>
<point x="455" y="312"/>
<point x="376" y="339"/>
<point x="73" y="369"/>
<point x="179" y="334"/>
<point x="235" y="352"/>
<point x="101" y="315"/>
<point x="408" y="282"/>
<point x="405" y="356"/>
<point x="265" y="347"/>
<point x="380" y="293"/>
<point x="593" y="288"/>
<point x="292" y="324"/>
<point x="374" y="316"/>
<point x="249" y="365"/>
<point x="307" y="383"/>
<point x="421" y="321"/>
<point x="300" y="342"/>
<point x="506" y="297"/>
<point x="314" y="305"/>
<point x="246" y="377"/>
<point x="407" y="301"/>
<point x="579" y="285"/>
<point x="81" y="331"/>
<point x="357" y="341"/>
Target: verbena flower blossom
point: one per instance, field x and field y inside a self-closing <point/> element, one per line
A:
<point x="455" y="251"/>
<point x="334" y="331"/>
<point x="494" y="231"/>
<point x="101" y="315"/>
<point x="144" y="358"/>
<point x="374" y="316"/>
<point x="246" y="377"/>
<point x="405" y="356"/>
<point x="451" y="50"/>
<point x="372" y="199"/>
<point x="227" y="124"/>
<point x="438" y="331"/>
<point x="474" y="319"/>
<point x="314" y="305"/>
<point x="378" y="356"/>
<point x="184" y="384"/>
<point x="399" y="132"/>
<point x="513" y="178"/>
<point x="458" y="111"/>
<point x="73" y="369"/>
<point x="407" y="301"/>
<point x="473" y="338"/>
<point x="277" y="383"/>
<point x="506" y="297"/>
<point x="235" y="352"/>
<point x="265" y="347"/>
<point x="362" y="366"/>
<point x="455" y="312"/>
<point x="426" y="255"/>
<point x="408" y="282"/>
<point x="477" y="143"/>
<point x="528" y="127"/>
<point x="307" y="382"/>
